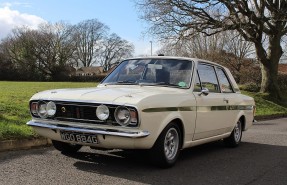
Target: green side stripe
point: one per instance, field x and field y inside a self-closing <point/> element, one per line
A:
<point x="200" y="108"/>
<point x="228" y="107"/>
<point x="168" y="109"/>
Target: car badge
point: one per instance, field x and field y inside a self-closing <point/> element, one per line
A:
<point x="63" y="109"/>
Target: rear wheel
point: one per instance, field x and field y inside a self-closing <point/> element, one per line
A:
<point x="235" y="138"/>
<point x="66" y="147"/>
<point x="165" y="151"/>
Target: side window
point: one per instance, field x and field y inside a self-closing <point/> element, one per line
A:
<point x="197" y="86"/>
<point x="223" y="81"/>
<point x="208" y="77"/>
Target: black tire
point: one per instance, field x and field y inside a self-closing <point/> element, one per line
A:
<point x="235" y="137"/>
<point x="66" y="147"/>
<point x="166" y="149"/>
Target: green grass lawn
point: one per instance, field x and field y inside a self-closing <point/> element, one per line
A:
<point x="14" y="110"/>
<point x="265" y="107"/>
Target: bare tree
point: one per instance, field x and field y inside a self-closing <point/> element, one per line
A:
<point x="255" y="20"/>
<point x="55" y="47"/>
<point x="7" y="68"/>
<point x="88" y="35"/>
<point x="114" y="49"/>
<point x="227" y="48"/>
<point x="47" y="51"/>
<point x="19" y="49"/>
<point x="196" y="46"/>
<point x="51" y="51"/>
<point x="237" y="54"/>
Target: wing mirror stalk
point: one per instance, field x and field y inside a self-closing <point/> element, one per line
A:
<point x="204" y="91"/>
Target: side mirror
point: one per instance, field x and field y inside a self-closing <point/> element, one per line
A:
<point x="204" y="91"/>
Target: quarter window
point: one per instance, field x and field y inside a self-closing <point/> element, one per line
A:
<point x="223" y="81"/>
<point x="208" y="78"/>
<point x="197" y="86"/>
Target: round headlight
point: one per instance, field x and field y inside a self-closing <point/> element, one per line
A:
<point x="51" y="108"/>
<point x="102" y="112"/>
<point x="123" y="116"/>
<point x="41" y="109"/>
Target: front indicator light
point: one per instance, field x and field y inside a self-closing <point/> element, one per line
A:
<point x="33" y="108"/>
<point x="134" y="117"/>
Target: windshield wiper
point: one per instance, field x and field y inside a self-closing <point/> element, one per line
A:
<point x="122" y="82"/>
<point x="126" y="82"/>
<point x="132" y="82"/>
<point x="156" y="83"/>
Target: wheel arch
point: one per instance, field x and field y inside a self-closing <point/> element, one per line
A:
<point x="241" y="117"/>
<point x="166" y="123"/>
<point x="243" y="122"/>
<point x="180" y="125"/>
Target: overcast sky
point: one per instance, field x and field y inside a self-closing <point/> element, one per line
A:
<point x="119" y="15"/>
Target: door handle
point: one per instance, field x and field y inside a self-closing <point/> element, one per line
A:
<point x="226" y="100"/>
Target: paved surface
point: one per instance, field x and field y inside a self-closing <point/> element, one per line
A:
<point x="260" y="160"/>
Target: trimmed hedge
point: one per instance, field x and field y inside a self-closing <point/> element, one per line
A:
<point x="250" y="74"/>
<point x="282" y="80"/>
<point x="251" y="87"/>
<point x="96" y="78"/>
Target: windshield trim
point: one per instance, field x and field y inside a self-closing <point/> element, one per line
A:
<point x="188" y="85"/>
<point x="145" y="84"/>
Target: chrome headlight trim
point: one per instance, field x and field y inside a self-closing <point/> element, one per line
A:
<point x="123" y="115"/>
<point x="42" y="109"/>
<point x="103" y="112"/>
<point x="51" y="109"/>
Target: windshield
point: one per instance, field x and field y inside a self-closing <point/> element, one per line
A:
<point x="159" y="72"/>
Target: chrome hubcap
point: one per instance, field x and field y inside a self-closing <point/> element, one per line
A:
<point x="237" y="132"/>
<point x="171" y="143"/>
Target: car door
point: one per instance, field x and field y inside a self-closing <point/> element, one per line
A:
<point x="232" y="99"/>
<point x="211" y="119"/>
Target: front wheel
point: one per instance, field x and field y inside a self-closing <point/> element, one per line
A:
<point x="235" y="138"/>
<point x="165" y="151"/>
<point x="66" y="147"/>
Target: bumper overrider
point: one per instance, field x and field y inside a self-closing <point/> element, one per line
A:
<point x="98" y="131"/>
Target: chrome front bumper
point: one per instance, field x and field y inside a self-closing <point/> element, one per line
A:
<point x="111" y="132"/>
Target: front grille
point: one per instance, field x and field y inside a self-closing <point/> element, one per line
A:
<point x="79" y="112"/>
<point x="83" y="113"/>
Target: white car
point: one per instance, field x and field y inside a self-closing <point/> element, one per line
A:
<point x="163" y="104"/>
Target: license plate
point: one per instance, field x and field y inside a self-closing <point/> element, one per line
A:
<point x="79" y="137"/>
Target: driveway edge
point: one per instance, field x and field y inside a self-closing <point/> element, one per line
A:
<point x="23" y="144"/>
<point x="270" y="117"/>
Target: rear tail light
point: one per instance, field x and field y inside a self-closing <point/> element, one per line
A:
<point x="254" y="110"/>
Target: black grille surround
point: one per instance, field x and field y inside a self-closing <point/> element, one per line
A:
<point x="83" y="112"/>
